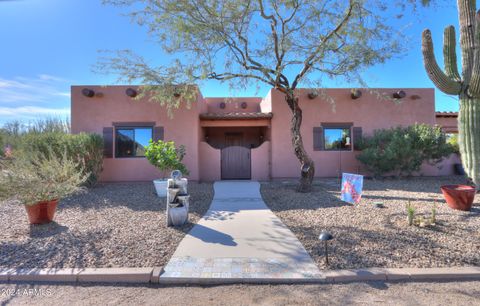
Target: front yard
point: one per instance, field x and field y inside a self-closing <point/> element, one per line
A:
<point x="366" y="236"/>
<point x="111" y="225"/>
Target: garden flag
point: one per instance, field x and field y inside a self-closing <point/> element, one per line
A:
<point x="352" y="185"/>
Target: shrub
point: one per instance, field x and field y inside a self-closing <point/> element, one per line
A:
<point x="452" y="139"/>
<point x="40" y="177"/>
<point x="402" y="150"/>
<point x="85" y="149"/>
<point x="165" y="156"/>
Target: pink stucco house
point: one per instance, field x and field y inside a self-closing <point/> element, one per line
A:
<point x="245" y="138"/>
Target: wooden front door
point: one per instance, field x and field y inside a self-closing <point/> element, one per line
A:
<point x="236" y="163"/>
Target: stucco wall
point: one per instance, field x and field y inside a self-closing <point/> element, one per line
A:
<point x="448" y="124"/>
<point x="261" y="162"/>
<point x="233" y="104"/>
<point x="368" y="112"/>
<point x="210" y="167"/>
<point x="111" y="104"/>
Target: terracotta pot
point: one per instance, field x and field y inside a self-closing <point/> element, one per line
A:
<point x="459" y="196"/>
<point x="42" y="212"/>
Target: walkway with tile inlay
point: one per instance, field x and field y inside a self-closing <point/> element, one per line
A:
<point x="240" y="239"/>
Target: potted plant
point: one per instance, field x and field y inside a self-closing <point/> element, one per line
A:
<point x="459" y="196"/>
<point x="39" y="181"/>
<point x="166" y="157"/>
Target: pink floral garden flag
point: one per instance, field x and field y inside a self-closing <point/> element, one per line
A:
<point x="352" y="185"/>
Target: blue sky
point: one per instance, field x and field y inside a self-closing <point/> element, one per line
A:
<point x="49" y="45"/>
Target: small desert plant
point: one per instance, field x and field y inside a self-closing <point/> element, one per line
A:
<point x="40" y="177"/>
<point x="165" y="156"/>
<point x="434" y="213"/>
<point x="410" y="213"/>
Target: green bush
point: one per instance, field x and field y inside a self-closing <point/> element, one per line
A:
<point x="165" y="156"/>
<point x="85" y="149"/>
<point x="38" y="177"/>
<point x="452" y="139"/>
<point x="402" y="150"/>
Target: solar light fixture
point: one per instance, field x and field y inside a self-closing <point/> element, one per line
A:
<point x="325" y="237"/>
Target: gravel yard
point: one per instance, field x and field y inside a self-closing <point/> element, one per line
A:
<point x="366" y="236"/>
<point x="111" y="225"/>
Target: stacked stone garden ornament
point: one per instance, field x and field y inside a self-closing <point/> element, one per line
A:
<point x="177" y="199"/>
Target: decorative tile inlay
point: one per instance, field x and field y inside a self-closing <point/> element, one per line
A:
<point x="240" y="268"/>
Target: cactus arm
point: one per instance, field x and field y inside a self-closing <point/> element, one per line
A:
<point x="450" y="54"/>
<point x="474" y="89"/>
<point x="466" y="11"/>
<point x="438" y="77"/>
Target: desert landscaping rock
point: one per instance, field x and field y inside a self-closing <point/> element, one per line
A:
<point x="367" y="236"/>
<point x="111" y="225"/>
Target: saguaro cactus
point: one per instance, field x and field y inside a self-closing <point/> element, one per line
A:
<point x="466" y="85"/>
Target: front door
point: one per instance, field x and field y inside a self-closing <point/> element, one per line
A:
<point x="236" y="163"/>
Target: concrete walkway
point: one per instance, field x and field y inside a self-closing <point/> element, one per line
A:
<point x="240" y="239"/>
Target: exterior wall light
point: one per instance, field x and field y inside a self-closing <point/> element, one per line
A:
<point x="132" y="93"/>
<point x="325" y="237"/>
<point x="88" y="93"/>
<point x="399" y="94"/>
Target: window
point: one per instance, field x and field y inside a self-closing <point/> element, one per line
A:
<point x="131" y="141"/>
<point x="337" y="138"/>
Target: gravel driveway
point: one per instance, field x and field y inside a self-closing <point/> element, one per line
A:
<point x="111" y="225"/>
<point x="366" y="236"/>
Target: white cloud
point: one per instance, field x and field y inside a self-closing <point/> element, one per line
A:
<point x="32" y="112"/>
<point x="41" y="89"/>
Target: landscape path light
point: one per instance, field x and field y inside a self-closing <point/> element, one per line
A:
<point x="325" y="237"/>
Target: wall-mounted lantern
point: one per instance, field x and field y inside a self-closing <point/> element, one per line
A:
<point x="399" y="94"/>
<point x="312" y="95"/>
<point x="89" y="93"/>
<point x="223" y="105"/>
<point x="355" y="94"/>
<point x="243" y="105"/>
<point x="132" y="93"/>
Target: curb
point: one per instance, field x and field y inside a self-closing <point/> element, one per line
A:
<point x="84" y="275"/>
<point x="153" y="276"/>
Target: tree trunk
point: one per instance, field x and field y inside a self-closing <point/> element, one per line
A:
<point x="307" y="167"/>
<point x="469" y="137"/>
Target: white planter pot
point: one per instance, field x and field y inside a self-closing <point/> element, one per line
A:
<point x="161" y="187"/>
